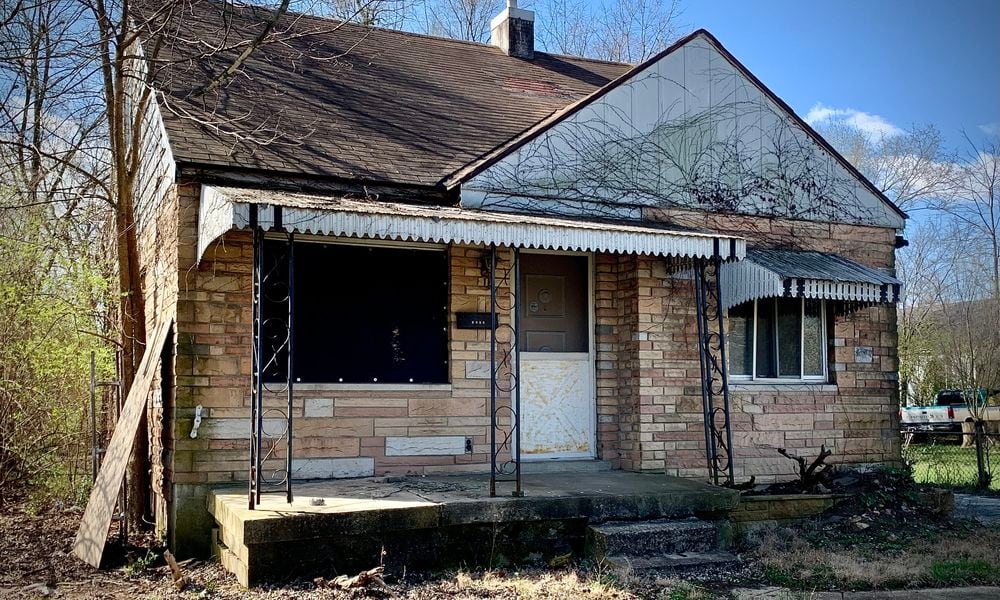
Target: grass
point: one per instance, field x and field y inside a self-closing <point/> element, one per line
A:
<point x="961" y="571"/>
<point x="140" y="564"/>
<point x="800" y="560"/>
<point x="949" y="464"/>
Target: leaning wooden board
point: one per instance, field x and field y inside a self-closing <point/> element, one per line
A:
<point x="93" y="533"/>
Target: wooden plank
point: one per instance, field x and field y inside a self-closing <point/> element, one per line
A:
<point x="93" y="532"/>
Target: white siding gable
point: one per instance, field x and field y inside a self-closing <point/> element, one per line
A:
<point x="688" y="131"/>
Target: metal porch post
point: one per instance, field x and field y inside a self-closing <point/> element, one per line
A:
<point x="724" y="370"/>
<point x="509" y="470"/>
<point x="256" y="389"/>
<point x="714" y="370"/>
<point x="267" y="277"/>
<point x="290" y="367"/>
<point x="493" y="370"/>
<point x="516" y="417"/>
<point x="706" y="396"/>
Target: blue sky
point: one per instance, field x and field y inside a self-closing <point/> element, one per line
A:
<point x="878" y="63"/>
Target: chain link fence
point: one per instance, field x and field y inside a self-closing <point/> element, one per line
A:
<point x="961" y="460"/>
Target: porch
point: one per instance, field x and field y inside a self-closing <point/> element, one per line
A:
<point x="341" y="526"/>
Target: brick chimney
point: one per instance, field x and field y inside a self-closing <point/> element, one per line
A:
<point x="513" y="31"/>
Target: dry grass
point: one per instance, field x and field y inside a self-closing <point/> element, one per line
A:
<point x="571" y="583"/>
<point x="538" y="584"/>
<point x="792" y="559"/>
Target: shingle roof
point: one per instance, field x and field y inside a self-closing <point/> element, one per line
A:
<point x="346" y="101"/>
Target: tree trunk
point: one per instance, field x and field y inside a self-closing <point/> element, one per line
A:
<point x="996" y="268"/>
<point x="133" y="322"/>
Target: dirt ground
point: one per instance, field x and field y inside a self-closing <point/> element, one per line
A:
<point x="879" y="540"/>
<point x="889" y="534"/>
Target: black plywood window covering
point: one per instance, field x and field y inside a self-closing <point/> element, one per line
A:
<point x="368" y="314"/>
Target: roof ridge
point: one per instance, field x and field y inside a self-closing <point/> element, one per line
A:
<point x="602" y="61"/>
<point x="417" y="34"/>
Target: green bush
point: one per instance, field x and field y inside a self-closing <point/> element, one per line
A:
<point x="51" y="303"/>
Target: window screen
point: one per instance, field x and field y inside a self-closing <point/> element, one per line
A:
<point x="368" y="314"/>
<point x="813" y="352"/>
<point x="789" y="334"/>
<point x="741" y="339"/>
<point x="766" y="365"/>
<point x="777" y="338"/>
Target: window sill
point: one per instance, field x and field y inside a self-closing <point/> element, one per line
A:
<point x="781" y="386"/>
<point x="373" y="387"/>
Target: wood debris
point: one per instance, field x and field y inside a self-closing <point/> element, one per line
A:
<point x="175" y="569"/>
<point x="370" y="579"/>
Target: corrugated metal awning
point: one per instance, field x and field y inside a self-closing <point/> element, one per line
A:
<point x="768" y="273"/>
<point x="225" y="208"/>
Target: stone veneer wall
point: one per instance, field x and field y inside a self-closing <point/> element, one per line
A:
<point x="157" y="236"/>
<point x="855" y="414"/>
<point x="648" y="394"/>
<point x="340" y="430"/>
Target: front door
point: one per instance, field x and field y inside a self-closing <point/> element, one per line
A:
<point x="557" y="395"/>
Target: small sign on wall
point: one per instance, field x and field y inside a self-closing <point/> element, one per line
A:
<point x="863" y="354"/>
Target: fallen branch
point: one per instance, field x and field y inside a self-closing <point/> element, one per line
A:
<point x="816" y="471"/>
<point x="372" y="578"/>
<point x="179" y="581"/>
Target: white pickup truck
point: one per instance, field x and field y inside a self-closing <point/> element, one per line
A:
<point x="947" y="414"/>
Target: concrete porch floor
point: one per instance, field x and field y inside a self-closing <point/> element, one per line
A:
<point x="344" y="525"/>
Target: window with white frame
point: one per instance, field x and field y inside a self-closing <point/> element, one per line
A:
<point x="778" y="339"/>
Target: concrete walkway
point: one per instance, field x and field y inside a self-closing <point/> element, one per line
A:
<point x="962" y="593"/>
<point x="985" y="509"/>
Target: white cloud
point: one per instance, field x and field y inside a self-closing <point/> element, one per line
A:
<point x="873" y="126"/>
<point x="991" y="128"/>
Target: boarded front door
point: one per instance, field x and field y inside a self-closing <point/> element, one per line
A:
<point x="557" y="397"/>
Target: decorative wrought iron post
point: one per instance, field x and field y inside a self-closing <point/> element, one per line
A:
<point x="714" y="369"/>
<point x="256" y="383"/>
<point x="493" y="370"/>
<point x="505" y="455"/>
<point x="272" y="357"/>
<point x="289" y="369"/>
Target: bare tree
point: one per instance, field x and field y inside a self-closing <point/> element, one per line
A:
<point x="78" y="80"/>
<point x="912" y="168"/>
<point x="566" y="27"/>
<point x="393" y="14"/>
<point x="631" y="31"/>
<point x="975" y="203"/>
<point x="461" y="19"/>
<point x="52" y="297"/>
<point x="924" y="266"/>
<point x="627" y="31"/>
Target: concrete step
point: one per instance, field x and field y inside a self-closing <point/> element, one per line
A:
<point x="652" y="538"/>
<point x="564" y="466"/>
<point x="670" y="561"/>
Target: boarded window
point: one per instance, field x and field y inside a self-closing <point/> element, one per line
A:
<point x="367" y="314"/>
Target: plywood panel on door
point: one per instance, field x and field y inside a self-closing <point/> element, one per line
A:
<point x="557" y="396"/>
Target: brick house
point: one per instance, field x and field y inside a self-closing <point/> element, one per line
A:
<point x="434" y="256"/>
